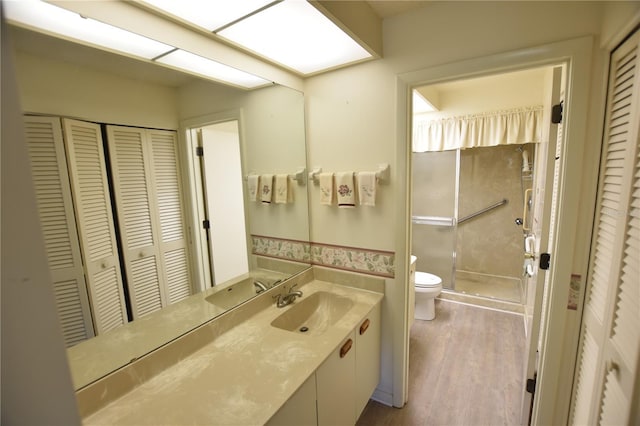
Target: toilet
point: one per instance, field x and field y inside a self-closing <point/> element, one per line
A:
<point x="427" y="288"/>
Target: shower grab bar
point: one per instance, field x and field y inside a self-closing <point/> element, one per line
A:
<point x="485" y="210"/>
<point x="433" y="220"/>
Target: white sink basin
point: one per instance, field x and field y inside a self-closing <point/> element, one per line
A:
<point x="314" y="314"/>
<point x="231" y="296"/>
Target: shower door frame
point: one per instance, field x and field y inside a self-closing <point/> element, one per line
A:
<point x="442" y="221"/>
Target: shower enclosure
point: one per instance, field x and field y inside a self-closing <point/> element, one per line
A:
<point x="435" y="212"/>
<point x="468" y="218"/>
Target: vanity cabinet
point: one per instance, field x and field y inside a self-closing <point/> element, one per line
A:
<point x="367" y="358"/>
<point x="336" y="385"/>
<point x="347" y="379"/>
<point x="341" y="387"/>
<point x="300" y="409"/>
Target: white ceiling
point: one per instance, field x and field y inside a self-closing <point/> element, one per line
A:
<point x="58" y="49"/>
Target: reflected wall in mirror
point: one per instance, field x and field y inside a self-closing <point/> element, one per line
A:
<point x="57" y="78"/>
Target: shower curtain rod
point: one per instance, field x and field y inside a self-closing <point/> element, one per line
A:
<point x="485" y="210"/>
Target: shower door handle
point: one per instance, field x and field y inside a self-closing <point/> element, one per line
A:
<point x="525" y="211"/>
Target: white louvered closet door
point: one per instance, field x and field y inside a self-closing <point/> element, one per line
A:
<point x="55" y="209"/>
<point x="133" y="189"/>
<point x="171" y="223"/>
<point x="87" y="172"/>
<point x="606" y="390"/>
<point x="144" y="166"/>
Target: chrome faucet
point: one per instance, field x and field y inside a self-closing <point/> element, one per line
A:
<point x="259" y="287"/>
<point x="287" y="299"/>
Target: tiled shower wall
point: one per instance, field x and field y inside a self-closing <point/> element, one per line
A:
<point x="491" y="243"/>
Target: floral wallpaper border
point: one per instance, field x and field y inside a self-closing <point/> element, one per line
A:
<point x="372" y="262"/>
<point x="299" y="251"/>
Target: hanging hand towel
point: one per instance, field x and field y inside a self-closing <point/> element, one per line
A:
<point x="282" y="189"/>
<point x="345" y="189"/>
<point x="326" y="188"/>
<point x="252" y="186"/>
<point x="266" y="193"/>
<point x="366" y="188"/>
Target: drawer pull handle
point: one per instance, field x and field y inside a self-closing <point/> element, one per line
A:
<point x="364" y="326"/>
<point x="346" y="348"/>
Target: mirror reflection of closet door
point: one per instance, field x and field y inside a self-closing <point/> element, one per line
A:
<point x="93" y="210"/>
<point x="57" y="220"/>
<point x="150" y="216"/>
<point x="224" y="199"/>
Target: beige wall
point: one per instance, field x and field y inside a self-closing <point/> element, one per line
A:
<point x="60" y="88"/>
<point x="492" y="93"/>
<point x="617" y="20"/>
<point x="351" y="118"/>
<point x="36" y="383"/>
<point x="273" y="141"/>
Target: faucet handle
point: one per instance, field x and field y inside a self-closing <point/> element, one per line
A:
<point x="291" y="288"/>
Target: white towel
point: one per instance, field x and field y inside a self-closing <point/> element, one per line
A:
<point x="282" y="189"/>
<point x="252" y="186"/>
<point x="345" y="190"/>
<point x="326" y="188"/>
<point x="366" y="188"/>
<point x="266" y="193"/>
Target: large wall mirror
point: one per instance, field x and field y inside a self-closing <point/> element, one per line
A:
<point x="224" y="138"/>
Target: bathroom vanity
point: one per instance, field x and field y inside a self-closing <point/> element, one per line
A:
<point x="315" y="361"/>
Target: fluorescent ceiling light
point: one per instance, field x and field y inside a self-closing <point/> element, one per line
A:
<point x="208" y="14"/>
<point x="421" y="104"/>
<point x="41" y="16"/>
<point x="210" y="69"/>
<point x="296" y="35"/>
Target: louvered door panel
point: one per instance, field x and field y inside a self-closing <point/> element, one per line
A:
<point x="133" y="192"/>
<point x="614" y="402"/>
<point x="83" y="142"/>
<point x="173" y="245"/>
<point x="55" y="208"/>
<point x="608" y="366"/>
<point x="586" y="379"/>
<point x="177" y="275"/>
<point x="626" y="322"/>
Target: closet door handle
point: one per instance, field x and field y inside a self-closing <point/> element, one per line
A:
<point x="346" y="348"/>
<point x="364" y="326"/>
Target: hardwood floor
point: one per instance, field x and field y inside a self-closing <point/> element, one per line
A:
<point x="465" y="368"/>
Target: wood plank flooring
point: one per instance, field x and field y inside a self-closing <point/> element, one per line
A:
<point x="465" y="368"/>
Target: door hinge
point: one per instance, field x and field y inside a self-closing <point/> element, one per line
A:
<point x="545" y="259"/>
<point x="206" y="224"/>
<point x="531" y="385"/>
<point x="556" y="113"/>
<point x="199" y="151"/>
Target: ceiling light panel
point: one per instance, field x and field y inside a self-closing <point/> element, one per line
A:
<point x="45" y="17"/>
<point x="208" y="14"/>
<point x="210" y="69"/>
<point x="296" y="35"/>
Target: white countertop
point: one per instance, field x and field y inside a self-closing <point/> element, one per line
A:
<point x="243" y="376"/>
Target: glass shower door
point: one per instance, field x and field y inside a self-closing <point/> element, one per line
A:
<point x="434" y="212"/>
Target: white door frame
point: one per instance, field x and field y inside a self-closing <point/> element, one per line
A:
<point x="576" y="55"/>
<point x="194" y="195"/>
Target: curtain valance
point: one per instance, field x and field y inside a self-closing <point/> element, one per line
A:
<point x="516" y="126"/>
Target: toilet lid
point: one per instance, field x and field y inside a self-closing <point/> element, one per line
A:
<point x="425" y="279"/>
